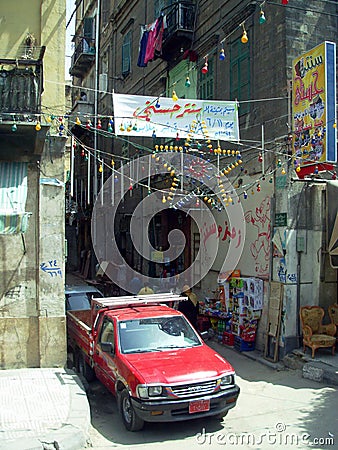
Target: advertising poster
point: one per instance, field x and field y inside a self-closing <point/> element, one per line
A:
<point x="314" y="106"/>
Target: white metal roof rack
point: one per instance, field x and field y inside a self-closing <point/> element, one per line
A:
<point x="137" y="300"/>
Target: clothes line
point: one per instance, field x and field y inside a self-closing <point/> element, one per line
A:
<point x="151" y="41"/>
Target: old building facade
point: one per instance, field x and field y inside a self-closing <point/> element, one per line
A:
<point x="229" y="50"/>
<point x="32" y="240"/>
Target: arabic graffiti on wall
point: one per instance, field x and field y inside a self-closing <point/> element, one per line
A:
<point x="221" y="232"/>
<point x="259" y="227"/>
<point x="137" y="115"/>
<point x="52" y="268"/>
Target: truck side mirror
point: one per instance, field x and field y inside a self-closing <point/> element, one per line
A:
<point x="205" y="335"/>
<point x="107" y="347"/>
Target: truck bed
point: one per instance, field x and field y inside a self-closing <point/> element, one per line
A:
<point x="78" y="329"/>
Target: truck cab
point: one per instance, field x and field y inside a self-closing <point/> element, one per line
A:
<point x="149" y="356"/>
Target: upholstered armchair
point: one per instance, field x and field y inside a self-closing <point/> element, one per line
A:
<point x="333" y="313"/>
<point x="315" y="334"/>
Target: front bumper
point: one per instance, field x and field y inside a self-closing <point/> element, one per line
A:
<point x="176" y="410"/>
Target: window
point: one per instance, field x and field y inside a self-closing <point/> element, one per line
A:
<point x="13" y="194"/>
<point x="126" y="54"/>
<point x="105" y="12"/>
<point x="240" y="74"/>
<point x="159" y="5"/>
<point x="107" y="334"/>
<point x="206" y="82"/>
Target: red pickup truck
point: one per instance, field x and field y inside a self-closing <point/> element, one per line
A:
<point x="149" y="356"/>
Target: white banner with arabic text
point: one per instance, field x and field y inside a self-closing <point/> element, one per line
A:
<point x="137" y="115"/>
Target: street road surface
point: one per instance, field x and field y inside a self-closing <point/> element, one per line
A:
<point x="276" y="409"/>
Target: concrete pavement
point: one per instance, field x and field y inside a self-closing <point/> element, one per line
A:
<point x="42" y="409"/>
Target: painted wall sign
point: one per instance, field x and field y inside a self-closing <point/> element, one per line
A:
<point x="137" y="115"/>
<point x="281" y="182"/>
<point x="52" y="268"/>
<point x="280" y="219"/>
<point x="314" y="105"/>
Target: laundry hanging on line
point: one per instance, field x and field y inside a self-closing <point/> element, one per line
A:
<point x="151" y="41"/>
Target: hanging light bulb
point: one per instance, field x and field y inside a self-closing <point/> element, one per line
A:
<point x="260" y="158"/>
<point x="99" y="124"/>
<point x="244" y="38"/>
<point x="38" y="126"/>
<point x="110" y="128"/>
<point x="101" y="168"/>
<point x="164" y="199"/>
<point x="283" y="171"/>
<point x="316" y="170"/>
<point x="89" y="124"/>
<point x="262" y="18"/>
<point x="285" y="2"/>
<point x="205" y="67"/>
<point x="14" y="127"/>
<point x="222" y="55"/>
<point x="334" y="176"/>
<point x="174" y="96"/>
<point x="298" y="169"/>
<point x="187" y="82"/>
<point x="157" y="104"/>
<point x="78" y="121"/>
<point x="245" y="195"/>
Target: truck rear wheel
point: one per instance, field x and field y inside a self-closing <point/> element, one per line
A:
<point x="130" y="420"/>
<point x="83" y="368"/>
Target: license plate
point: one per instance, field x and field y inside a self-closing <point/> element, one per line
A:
<point x="199" y="406"/>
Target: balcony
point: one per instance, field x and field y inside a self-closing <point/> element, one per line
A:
<point x="180" y="29"/>
<point x="20" y="109"/>
<point x="83" y="57"/>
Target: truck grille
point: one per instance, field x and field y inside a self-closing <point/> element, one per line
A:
<point x="191" y="390"/>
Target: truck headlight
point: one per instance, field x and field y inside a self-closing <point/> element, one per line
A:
<point x="154" y="391"/>
<point x="149" y="391"/>
<point x="227" y="380"/>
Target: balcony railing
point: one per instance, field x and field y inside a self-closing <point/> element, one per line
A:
<point x="180" y="20"/>
<point x="83" y="57"/>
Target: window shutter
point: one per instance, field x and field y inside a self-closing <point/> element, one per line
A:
<point x="88" y="28"/>
<point x="126" y="54"/>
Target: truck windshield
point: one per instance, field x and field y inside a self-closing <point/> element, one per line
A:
<point x="156" y="334"/>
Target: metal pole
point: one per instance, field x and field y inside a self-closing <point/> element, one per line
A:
<point x="97" y="53"/>
<point x="263" y="152"/>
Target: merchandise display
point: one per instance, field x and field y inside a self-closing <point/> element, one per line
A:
<point x="234" y="313"/>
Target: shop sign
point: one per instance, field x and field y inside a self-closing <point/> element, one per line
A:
<point x="280" y="220"/>
<point x="314" y="105"/>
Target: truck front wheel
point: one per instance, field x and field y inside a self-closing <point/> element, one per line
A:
<point x="131" y="421"/>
